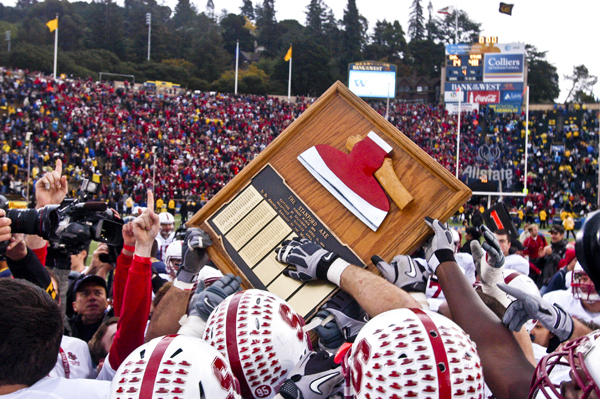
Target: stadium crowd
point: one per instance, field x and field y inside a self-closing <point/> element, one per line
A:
<point x="157" y="319"/>
<point x="439" y="321"/>
<point x="190" y="145"/>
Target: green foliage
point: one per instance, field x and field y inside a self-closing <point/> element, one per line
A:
<point x="233" y="29"/>
<point x="446" y="28"/>
<point x="251" y="81"/>
<point x="416" y="22"/>
<point x="353" y="34"/>
<point x="542" y="76"/>
<point x="582" y="81"/>
<point x="387" y="43"/>
<point x="426" y="57"/>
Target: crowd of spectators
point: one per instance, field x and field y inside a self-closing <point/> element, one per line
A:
<point x="199" y="141"/>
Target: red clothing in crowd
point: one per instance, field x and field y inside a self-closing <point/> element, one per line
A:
<point x="533" y="246"/>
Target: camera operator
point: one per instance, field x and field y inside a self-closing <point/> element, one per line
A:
<point x="51" y="189"/>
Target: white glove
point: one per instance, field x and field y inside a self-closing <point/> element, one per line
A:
<point x="403" y="272"/>
<point x="439" y="247"/>
<point x="527" y="307"/>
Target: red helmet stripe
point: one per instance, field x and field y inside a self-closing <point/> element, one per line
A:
<point x="438" y="351"/>
<point x="147" y="388"/>
<point x="232" y="347"/>
<point x="511" y="277"/>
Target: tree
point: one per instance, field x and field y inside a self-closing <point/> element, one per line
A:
<point x="430" y="26"/>
<point x="426" y="57"/>
<point x="247" y="9"/>
<point x="541" y="76"/>
<point x="210" y="9"/>
<point x="315" y="16"/>
<point x="387" y="43"/>
<point x="416" y="22"/>
<point x="105" y="27"/>
<point x="353" y="34"/>
<point x="185" y="12"/>
<point x="582" y="81"/>
<point x="268" y="32"/>
<point x="467" y="29"/>
<point x="233" y="29"/>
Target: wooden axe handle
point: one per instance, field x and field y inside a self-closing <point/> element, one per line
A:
<point x="387" y="178"/>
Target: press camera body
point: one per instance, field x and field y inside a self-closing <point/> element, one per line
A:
<point x="70" y="226"/>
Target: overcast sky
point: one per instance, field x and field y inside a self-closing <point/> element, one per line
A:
<point x="567" y="30"/>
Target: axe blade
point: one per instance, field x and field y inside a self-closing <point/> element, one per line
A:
<point x="362" y="209"/>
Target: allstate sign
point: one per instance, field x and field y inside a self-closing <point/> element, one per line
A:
<point x="513" y="96"/>
<point x="503" y="68"/>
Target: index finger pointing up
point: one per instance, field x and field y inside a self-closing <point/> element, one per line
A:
<point x="58" y="167"/>
<point x="150" y="201"/>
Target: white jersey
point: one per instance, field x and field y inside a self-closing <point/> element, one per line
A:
<point x="566" y="300"/>
<point x="518" y="263"/>
<point x="163" y="243"/>
<point x="62" y="388"/>
<point x="74" y="360"/>
<point x="435" y="295"/>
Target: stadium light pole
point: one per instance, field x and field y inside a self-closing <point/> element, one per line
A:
<point x="28" y="140"/>
<point x="149" y="23"/>
<point x="8" y="39"/>
<point x="526" y="141"/>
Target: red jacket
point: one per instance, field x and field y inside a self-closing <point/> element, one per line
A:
<point x="532" y="246"/>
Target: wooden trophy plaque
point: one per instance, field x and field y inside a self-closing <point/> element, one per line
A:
<point x="275" y="198"/>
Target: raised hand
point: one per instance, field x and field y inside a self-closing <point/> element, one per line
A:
<point x="492" y="247"/>
<point x="145" y="228"/>
<point x="52" y="188"/>
<point x="208" y="299"/>
<point x="439" y="247"/>
<point x="403" y="272"/>
<point x="316" y="376"/>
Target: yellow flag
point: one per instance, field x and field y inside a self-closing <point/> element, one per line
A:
<point x="288" y="56"/>
<point x="52" y="25"/>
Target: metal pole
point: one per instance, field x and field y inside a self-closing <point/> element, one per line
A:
<point x="8" y="39"/>
<point x="455" y="25"/>
<point x="290" y="81"/>
<point x="237" y="58"/>
<point x="153" y="172"/>
<point x="28" y="138"/>
<point x="598" y="192"/>
<point x="458" y="132"/>
<point x="526" y="139"/>
<point x="149" y="22"/>
<point x="55" y="47"/>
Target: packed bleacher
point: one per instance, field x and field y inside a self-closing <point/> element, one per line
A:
<point x="152" y="316"/>
<point x="201" y="140"/>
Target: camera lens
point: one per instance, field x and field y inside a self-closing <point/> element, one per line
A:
<point x="24" y="221"/>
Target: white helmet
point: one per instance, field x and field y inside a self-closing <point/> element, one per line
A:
<point x="261" y="336"/>
<point x="173" y="253"/>
<point x="166" y="218"/>
<point x="413" y="353"/>
<point x="582" y="286"/>
<point x="520" y="281"/>
<point x="175" y="366"/>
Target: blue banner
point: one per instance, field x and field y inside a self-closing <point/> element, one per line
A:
<point x="505" y="108"/>
<point x="511" y="96"/>
<point x="508" y="86"/>
<point x="503" y="68"/>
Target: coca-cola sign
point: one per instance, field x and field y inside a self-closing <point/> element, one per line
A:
<point x="484" y="97"/>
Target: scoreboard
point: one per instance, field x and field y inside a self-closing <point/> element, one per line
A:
<point x="464" y="68"/>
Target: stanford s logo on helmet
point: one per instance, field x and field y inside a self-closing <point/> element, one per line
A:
<point x="411" y="353"/>
<point x="175" y="366"/>
<point x="262" y="338"/>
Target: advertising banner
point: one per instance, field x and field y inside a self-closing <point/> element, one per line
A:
<point x="505" y="108"/>
<point x="483" y="86"/>
<point x="452" y="108"/>
<point x="511" y="96"/>
<point x="484" y="97"/>
<point x="452" y="96"/>
<point x="477" y="48"/>
<point x="503" y="68"/>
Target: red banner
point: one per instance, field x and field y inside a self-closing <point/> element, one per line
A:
<point x="484" y="97"/>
